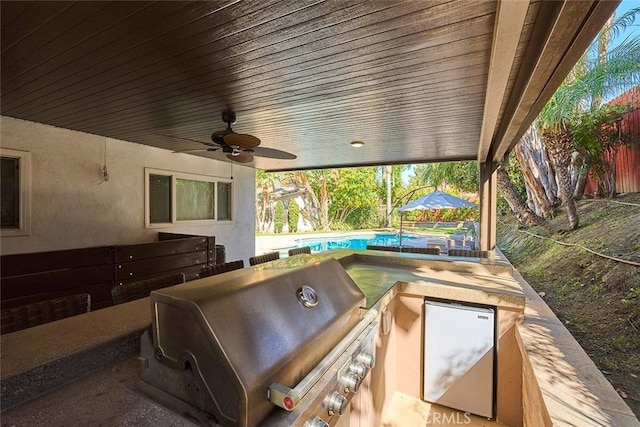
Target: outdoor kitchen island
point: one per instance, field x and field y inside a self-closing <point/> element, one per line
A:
<point x="85" y="370"/>
<point x="390" y="392"/>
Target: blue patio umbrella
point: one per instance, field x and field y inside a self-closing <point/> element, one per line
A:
<point x="436" y="200"/>
<point x="432" y="201"/>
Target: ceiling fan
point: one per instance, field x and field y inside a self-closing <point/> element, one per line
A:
<point x="239" y="147"/>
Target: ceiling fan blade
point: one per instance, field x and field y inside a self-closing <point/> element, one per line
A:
<point x="241" y="157"/>
<point x="241" y="140"/>
<point x="272" y="153"/>
<point x="208" y="144"/>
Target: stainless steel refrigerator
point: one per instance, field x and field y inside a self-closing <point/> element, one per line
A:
<point x="459" y="357"/>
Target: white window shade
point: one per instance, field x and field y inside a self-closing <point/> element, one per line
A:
<point x="159" y="199"/>
<point x="194" y="200"/>
<point x="224" y="201"/>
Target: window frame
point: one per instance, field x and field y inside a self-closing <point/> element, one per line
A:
<point x="174" y="176"/>
<point x="24" y="190"/>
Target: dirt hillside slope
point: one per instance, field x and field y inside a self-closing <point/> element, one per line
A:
<point x="598" y="299"/>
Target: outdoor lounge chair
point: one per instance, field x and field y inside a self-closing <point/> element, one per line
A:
<point x="383" y="248"/>
<point x="142" y="288"/>
<point x="302" y="250"/>
<point x="428" y="251"/>
<point x="205" y="271"/>
<point x="38" y="313"/>
<point x="227" y="266"/>
<point x="259" y="259"/>
<point x="469" y="253"/>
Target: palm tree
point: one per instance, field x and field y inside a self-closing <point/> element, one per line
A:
<point x="600" y="73"/>
<point x="264" y="188"/>
<point x="388" y="177"/>
<point x="524" y="214"/>
<point x="461" y="175"/>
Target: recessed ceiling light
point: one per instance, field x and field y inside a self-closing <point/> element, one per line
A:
<point x="357" y="144"/>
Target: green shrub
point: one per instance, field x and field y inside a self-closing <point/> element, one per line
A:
<point x="364" y="217"/>
<point x="294" y="214"/>
<point x="340" y="226"/>
<point x="278" y="217"/>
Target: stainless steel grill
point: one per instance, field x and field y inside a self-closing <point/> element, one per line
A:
<point x="262" y="345"/>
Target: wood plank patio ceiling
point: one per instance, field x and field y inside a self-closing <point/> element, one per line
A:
<point x="406" y="77"/>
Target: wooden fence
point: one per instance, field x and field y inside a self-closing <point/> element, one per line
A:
<point x="628" y="157"/>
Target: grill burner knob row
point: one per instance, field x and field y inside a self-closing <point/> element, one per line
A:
<point x="316" y="422"/>
<point x="336" y="403"/>
<point x="359" y="369"/>
<point x="350" y="382"/>
<point x="367" y="359"/>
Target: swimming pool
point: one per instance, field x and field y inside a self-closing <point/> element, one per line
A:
<point x="359" y="241"/>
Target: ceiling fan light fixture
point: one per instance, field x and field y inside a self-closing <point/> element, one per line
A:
<point x="356" y="144"/>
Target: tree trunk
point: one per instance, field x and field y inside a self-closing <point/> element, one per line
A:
<point x="263" y="211"/>
<point x="313" y="203"/>
<point x="325" y="221"/>
<point x="535" y="190"/>
<point x="574" y="170"/>
<point x="531" y="200"/>
<point x="559" y="143"/>
<point x="614" y="156"/>
<point x="388" y="170"/>
<point x="539" y="177"/>
<point x="583" y="173"/>
<point x="518" y="205"/>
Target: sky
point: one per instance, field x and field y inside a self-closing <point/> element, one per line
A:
<point x="632" y="30"/>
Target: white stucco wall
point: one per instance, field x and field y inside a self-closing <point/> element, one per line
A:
<point x="70" y="210"/>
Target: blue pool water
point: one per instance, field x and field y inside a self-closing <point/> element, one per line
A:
<point x="354" y="242"/>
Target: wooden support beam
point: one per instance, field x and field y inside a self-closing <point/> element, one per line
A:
<point x="510" y="20"/>
<point x="549" y="57"/>
<point x="488" y="199"/>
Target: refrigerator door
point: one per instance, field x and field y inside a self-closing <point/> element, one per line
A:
<point x="459" y="357"/>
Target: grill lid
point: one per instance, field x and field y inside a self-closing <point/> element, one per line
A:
<point x="231" y="337"/>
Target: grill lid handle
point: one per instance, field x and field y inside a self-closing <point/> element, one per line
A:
<point x="283" y="396"/>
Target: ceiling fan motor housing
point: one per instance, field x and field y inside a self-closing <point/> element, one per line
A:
<point x="218" y="136"/>
<point x="229" y="138"/>
<point x="229" y="117"/>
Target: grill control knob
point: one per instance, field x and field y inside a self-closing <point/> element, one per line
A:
<point x="367" y="359"/>
<point x="316" y="422"/>
<point x="350" y="382"/>
<point x="359" y="369"/>
<point x="336" y="403"/>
